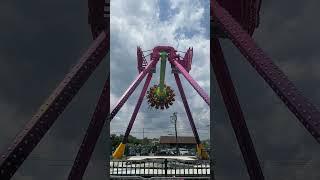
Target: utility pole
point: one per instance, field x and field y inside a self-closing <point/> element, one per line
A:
<point x="142" y="133"/>
<point x="174" y="120"/>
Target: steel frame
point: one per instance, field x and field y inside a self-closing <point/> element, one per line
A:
<point x="193" y="83"/>
<point x="186" y="107"/>
<point x="40" y="123"/>
<point x="302" y="108"/>
<point x="174" y="60"/>
<point x="92" y="134"/>
<point x="99" y="14"/>
<point x="36" y="128"/>
<point x="234" y="110"/>
<point x="137" y="107"/>
<point x="131" y="88"/>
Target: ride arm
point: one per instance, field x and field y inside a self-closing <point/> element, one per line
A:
<point x="163" y="56"/>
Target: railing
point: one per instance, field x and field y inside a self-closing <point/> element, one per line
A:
<point x="160" y="167"/>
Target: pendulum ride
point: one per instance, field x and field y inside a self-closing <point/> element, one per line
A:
<point x="161" y="96"/>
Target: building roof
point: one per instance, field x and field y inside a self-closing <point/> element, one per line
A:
<point x="181" y="140"/>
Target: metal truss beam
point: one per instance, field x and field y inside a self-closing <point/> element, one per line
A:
<point x="234" y="110"/>
<point x="193" y="83"/>
<point x="186" y="106"/>
<point x="92" y="134"/>
<point x="47" y="114"/>
<point x="132" y="87"/>
<point x="136" y="109"/>
<point x="300" y="106"/>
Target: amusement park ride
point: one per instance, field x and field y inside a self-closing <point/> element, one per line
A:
<point x="235" y="20"/>
<point x="161" y="95"/>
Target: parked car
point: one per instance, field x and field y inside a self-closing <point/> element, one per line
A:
<point x="162" y="152"/>
<point x="184" y="152"/>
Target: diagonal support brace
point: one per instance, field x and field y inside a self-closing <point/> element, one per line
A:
<point x="200" y="150"/>
<point x="300" y="106"/>
<point x="193" y="83"/>
<point x="92" y="134"/>
<point x="131" y="88"/>
<point x="234" y="110"/>
<point x="186" y="106"/>
<point x="120" y="150"/>
<point x="48" y="113"/>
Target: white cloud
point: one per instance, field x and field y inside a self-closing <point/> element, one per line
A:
<point x="137" y="23"/>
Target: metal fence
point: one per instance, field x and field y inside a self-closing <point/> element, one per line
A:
<point x="142" y="178"/>
<point x="160" y="167"/>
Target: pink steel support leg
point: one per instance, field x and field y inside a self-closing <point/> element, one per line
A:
<point x="194" y="84"/>
<point x="136" y="109"/>
<point x="234" y="110"/>
<point x="304" y="110"/>
<point x="186" y="106"/>
<point x="92" y="134"/>
<point x="131" y="88"/>
<point x="40" y="123"/>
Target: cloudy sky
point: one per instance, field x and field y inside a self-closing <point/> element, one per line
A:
<point x="38" y="45"/>
<point x="180" y="24"/>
